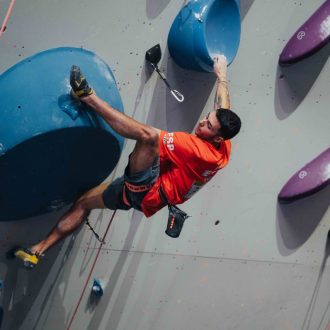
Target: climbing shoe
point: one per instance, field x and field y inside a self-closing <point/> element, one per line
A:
<point x="29" y="258"/>
<point x="78" y="82"/>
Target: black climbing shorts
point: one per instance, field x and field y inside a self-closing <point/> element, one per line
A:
<point x="128" y="190"/>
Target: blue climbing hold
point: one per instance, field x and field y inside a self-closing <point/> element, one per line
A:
<point x="202" y="29"/>
<point x="52" y="147"/>
<point x="97" y="287"/>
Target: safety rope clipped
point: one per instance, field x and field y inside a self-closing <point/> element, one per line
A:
<point x="74" y="314"/>
<point x="94" y="232"/>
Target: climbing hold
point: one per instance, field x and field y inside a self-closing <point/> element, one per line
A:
<point x="97" y="287"/>
<point x="313" y="177"/>
<point x="203" y="29"/>
<point x="53" y="148"/>
<point x="309" y="38"/>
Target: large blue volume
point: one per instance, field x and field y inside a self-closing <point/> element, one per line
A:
<point x="52" y="147"/>
<point x="202" y="29"/>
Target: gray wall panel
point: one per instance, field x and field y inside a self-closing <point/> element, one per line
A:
<point x="264" y="266"/>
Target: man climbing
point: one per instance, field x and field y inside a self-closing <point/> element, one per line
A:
<point x="164" y="168"/>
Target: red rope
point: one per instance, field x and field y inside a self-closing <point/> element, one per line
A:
<point x="5" y="21"/>
<point x="90" y="274"/>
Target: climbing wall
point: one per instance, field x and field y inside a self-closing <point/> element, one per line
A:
<point x="242" y="260"/>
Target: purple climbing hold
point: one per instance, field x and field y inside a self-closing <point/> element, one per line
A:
<point x="311" y="178"/>
<point x="309" y="38"/>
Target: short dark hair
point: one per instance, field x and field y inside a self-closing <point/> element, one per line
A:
<point x="230" y="123"/>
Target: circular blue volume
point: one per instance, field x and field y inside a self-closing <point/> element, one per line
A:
<point x="52" y="147"/>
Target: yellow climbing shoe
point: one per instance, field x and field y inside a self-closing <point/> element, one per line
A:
<point x="29" y="258"/>
<point x="78" y="82"/>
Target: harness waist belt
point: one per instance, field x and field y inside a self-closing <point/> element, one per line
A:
<point x="135" y="189"/>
